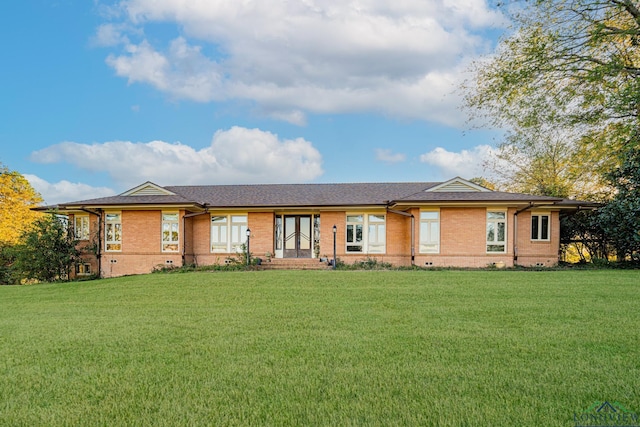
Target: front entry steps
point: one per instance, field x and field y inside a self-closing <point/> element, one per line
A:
<point x="294" y="264"/>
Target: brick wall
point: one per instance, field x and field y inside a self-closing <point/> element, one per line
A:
<point x="398" y="236"/>
<point x="463" y="231"/>
<point x="327" y="221"/>
<point x="188" y="241"/>
<point x="199" y="250"/>
<point x="141" y="245"/>
<point x="462" y="240"/>
<point x="202" y="234"/>
<point x="198" y="238"/>
<point x="261" y="225"/>
<point x="531" y="252"/>
<point x="118" y="264"/>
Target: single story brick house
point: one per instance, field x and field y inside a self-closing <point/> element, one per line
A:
<point x="452" y="223"/>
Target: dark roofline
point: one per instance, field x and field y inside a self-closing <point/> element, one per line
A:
<point x="304" y="196"/>
<point x="80" y="206"/>
<point x="486" y="200"/>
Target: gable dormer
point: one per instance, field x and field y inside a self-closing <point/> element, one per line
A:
<point x="457" y="185"/>
<point x="148" y="189"/>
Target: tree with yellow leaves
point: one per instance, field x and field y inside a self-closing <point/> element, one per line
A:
<point x="17" y="197"/>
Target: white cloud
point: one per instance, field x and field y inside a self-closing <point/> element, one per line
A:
<point x="65" y="191"/>
<point x="387" y="156"/>
<point x="295" y="117"/>
<point x="466" y="163"/>
<point x="402" y="59"/>
<point x="237" y="155"/>
<point x="108" y="35"/>
<point x="183" y="72"/>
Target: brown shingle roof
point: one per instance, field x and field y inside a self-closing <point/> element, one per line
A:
<point x="130" y="200"/>
<point x="299" y="194"/>
<point x="473" y="196"/>
<point x="283" y="195"/>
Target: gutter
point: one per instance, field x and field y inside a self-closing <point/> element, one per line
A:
<point x="413" y="233"/>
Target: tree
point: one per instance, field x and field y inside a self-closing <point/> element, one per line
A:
<point x="484" y="182"/>
<point x="17" y="197"/>
<point x="582" y="235"/>
<point x="8" y="273"/>
<point x="47" y="252"/>
<point x="569" y="70"/>
<point x="548" y="163"/>
<point x="620" y="218"/>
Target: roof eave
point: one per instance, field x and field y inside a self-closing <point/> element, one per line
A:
<point x="281" y="207"/>
<point x="468" y="202"/>
<point x="117" y="206"/>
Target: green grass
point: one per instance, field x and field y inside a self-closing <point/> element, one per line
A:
<point x="449" y="348"/>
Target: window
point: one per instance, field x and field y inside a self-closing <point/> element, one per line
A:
<point x="366" y="233"/>
<point x="355" y="225"/>
<point x="170" y="232"/>
<point x="316" y="235"/>
<point x="238" y="232"/>
<point x="540" y="227"/>
<point x="228" y="233"/>
<point x="430" y="232"/>
<point x="83" y="269"/>
<point x="377" y="234"/>
<point x="219" y="234"/>
<point x="81" y="227"/>
<point x="113" y="232"/>
<point x="278" y="233"/>
<point x="496" y="231"/>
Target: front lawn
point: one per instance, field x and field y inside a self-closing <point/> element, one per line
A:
<point x="446" y="348"/>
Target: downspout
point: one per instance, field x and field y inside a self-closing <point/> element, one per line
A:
<point x="413" y="240"/>
<point x="515" y="231"/>
<point x="97" y="213"/>
<point x="413" y="237"/>
<point x="184" y="239"/>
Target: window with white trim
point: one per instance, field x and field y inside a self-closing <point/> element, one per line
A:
<point x="238" y="232"/>
<point x="219" y="227"/>
<point x="540" y="227"/>
<point x="170" y="232"/>
<point x="377" y="234"/>
<point x="366" y="233"/>
<point x="355" y="231"/>
<point x="81" y="227"/>
<point x="496" y="231"/>
<point x="429" y="232"/>
<point x="228" y="233"/>
<point x="113" y="232"/>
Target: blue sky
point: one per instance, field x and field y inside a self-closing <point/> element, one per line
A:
<point x="97" y="97"/>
